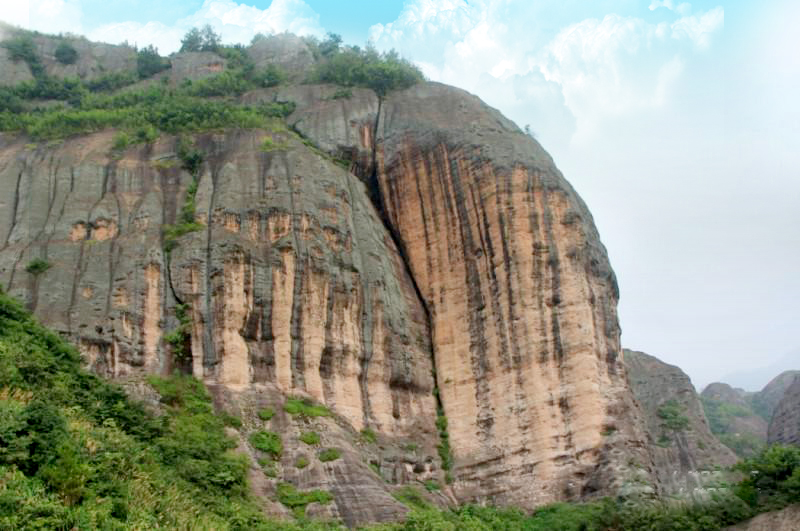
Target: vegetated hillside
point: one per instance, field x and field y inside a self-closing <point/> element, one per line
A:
<point x="739" y="418"/>
<point x="688" y="456"/>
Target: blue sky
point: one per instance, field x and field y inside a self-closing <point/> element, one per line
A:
<point x="678" y="123"/>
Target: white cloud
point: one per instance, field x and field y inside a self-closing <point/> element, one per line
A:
<point x="48" y="16"/>
<point x="699" y="28"/>
<point x="235" y="22"/>
<point x="596" y="68"/>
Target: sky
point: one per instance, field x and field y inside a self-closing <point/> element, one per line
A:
<point x="677" y="122"/>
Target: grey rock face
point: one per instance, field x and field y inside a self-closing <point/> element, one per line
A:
<point x="784" y="427"/>
<point x="685" y="458"/>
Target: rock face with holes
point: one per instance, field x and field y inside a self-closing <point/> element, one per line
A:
<point x="685" y="451"/>
<point x="381" y="249"/>
<point x="784" y="427"/>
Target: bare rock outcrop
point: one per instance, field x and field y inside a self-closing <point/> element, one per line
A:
<point x="685" y="451"/>
<point x="784" y="427"/>
<point x="394" y="258"/>
<point x="292" y="281"/>
<point x="520" y="294"/>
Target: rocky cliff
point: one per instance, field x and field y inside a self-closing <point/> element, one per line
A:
<point x="685" y="451"/>
<point x="784" y="427"/>
<point x="413" y="262"/>
<point x="740" y="418"/>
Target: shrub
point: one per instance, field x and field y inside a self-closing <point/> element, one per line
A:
<point x="266" y="414"/>
<point x="201" y="40"/>
<point x="296" y="500"/>
<point x="304" y="407"/>
<point x="411" y="497"/>
<point x="369" y="435"/>
<point x="352" y="66"/>
<point x="149" y="63"/>
<point x="301" y="462"/>
<point x="66" y="54"/>
<point x="330" y="454"/>
<point x="37" y="266"/>
<point x="268" y="442"/>
<point x="311" y="438"/>
<point x="671" y="413"/>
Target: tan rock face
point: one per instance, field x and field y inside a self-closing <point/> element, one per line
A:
<point x="521" y="297"/>
<point x="479" y="256"/>
<point x="292" y="281"/>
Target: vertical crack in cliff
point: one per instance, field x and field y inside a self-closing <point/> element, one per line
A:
<point x="301" y="255"/>
<point x="14" y="208"/>
<point x="209" y="355"/>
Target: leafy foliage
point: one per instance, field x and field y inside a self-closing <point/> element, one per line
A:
<point x="37" y="266"/>
<point x="268" y="442"/>
<point x="150" y="63"/>
<point x="201" y="40"/>
<point x="311" y="438"/>
<point x="66" y="54"/>
<point x="266" y="413"/>
<point x="305" y="407"/>
<point x="297" y="500"/>
<point x="330" y="454"/>
<point x="672" y="415"/>
<point x="722" y="419"/>
<point x="353" y="66"/>
<point x="75" y="452"/>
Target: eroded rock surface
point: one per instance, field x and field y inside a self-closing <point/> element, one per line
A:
<point x="520" y="293"/>
<point x="685" y="451"/>
<point x="387" y="241"/>
<point x="784" y="427"/>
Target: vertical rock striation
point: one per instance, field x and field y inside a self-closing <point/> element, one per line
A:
<point x="784" y="427"/>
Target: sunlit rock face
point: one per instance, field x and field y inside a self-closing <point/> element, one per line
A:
<point x="381" y="249"/>
<point x="521" y="298"/>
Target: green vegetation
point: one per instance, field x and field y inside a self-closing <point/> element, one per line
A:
<point x="311" y="438"/>
<point x="671" y="413"/>
<point x="412" y="498"/>
<point x="330" y="454"/>
<point x="180" y="339"/>
<point x="722" y="419"/>
<point x="351" y="66"/>
<point x="201" y="40"/>
<point x="432" y="485"/>
<point x="305" y="407"/>
<point x="37" y="266"/>
<point x="369" y="435"/>
<point x="66" y="54"/>
<point x="444" y="444"/>
<point x="297" y="500"/>
<point x="150" y="63"/>
<point x="191" y="161"/>
<point x="301" y="462"/>
<point x="266" y="413"/>
<point x="268" y="442"/>
<point x="75" y="452"/>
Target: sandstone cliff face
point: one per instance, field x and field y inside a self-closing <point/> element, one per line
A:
<point x="784" y="427"/>
<point x="450" y="256"/>
<point x="292" y="282"/>
<point x="521" y="298"/>
<point x="684" y="449"/>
